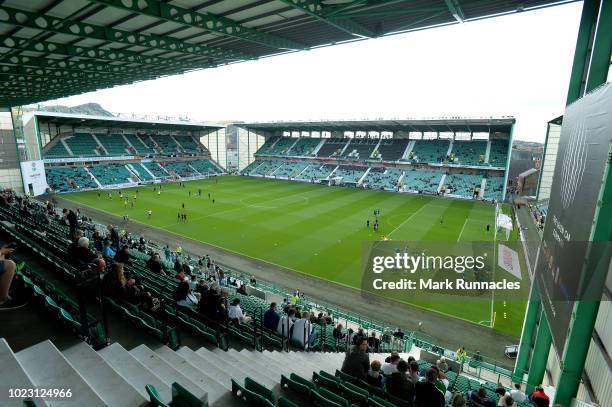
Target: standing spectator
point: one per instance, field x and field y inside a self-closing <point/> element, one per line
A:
<point x="271" y="317"/>
<point x="413" y="373"/>
<point x="73" y="221"/>
<point x="114" y="236"/>
<point x="374" y="342"/>
<point x="426" y="393"/>
<point x="285" y="324"/>
<point x="442" y="365"/>
<point x="7" y="271"/>
<point x="357" y="362"/>
<point x="337" y="333"/>
<point x="398" y="384"/>
<point x="302" y="331"/>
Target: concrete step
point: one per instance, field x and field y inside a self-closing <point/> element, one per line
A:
<point x="165" y="371"/>
<point x="49" y="369"/>
<point x="133" y="371"/>
<point x="13" y="376"/>
<point x="275" y="366"/>
<point x="262" y="368"/>
<point x="206" y="365"/>
<point x="301" y="369"/>
<point x="111" y="387"/>
<point x="242" y="365"/>
<point x="215" y="390"/>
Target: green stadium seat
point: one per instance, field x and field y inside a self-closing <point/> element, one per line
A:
<point x="181" y="397"/>
<point x="257" y="388"/>
<point x="376" y="401"/>
<point x="326" y="397"/>
<point x="285" y="402"/>
<point x="155" y="399"/>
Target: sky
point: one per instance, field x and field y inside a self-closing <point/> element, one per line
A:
<point x="517" y="65"/>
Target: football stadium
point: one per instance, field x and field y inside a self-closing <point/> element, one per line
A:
<point x="154" y="260"/>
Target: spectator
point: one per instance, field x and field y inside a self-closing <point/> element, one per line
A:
<point x="72" y="247"/>
<point x="390" y="367"/>
<point x="108" y="251"/>
<point x="253" y="281"/>
<point x="184" y="297"/>
<point x="461" y="354"/>
<point x="506" y="401"/>
<point x="83" y="254"/>
<point x="7" y="271"/>
<point x="426" y="393"/>
<point x="235" y="312"/>
<point x="374" y="377"/>
<point x="458" y="400"/>
<point x="398" y="384"/>
<point x="180" y="276"/>
<point x="337" y="333"/>
<point x="359" y="336"/>
<point x="123" y="255"/>
<point x="357" y="362"/>
<point x="98" y="241"/>
<point x="374" y="342"/>
<point x="539" y="398"/>
<point x="73" y="221"/>
<point x="193" y="282"/>
<point x="114" y="236"/>
<point x="178" y="267"/>
<point x="302" y="331"/>
<point x="413" y="373"/>
<point x="271" y="317"/>
<point x="285" y="324"/>
<point x="242" y="290"/>
<point x="517" y="394"/>
<point x="441" y="364"/>
<point x="479" y="398"/>
<point x="155" y="265"/>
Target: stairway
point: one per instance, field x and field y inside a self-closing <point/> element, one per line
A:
<point x="114" y="376"/>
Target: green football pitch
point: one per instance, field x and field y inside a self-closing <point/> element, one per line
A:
<point x="312" y="229"/>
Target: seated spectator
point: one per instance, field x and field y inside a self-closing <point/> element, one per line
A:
<point x="186" y="269"/>
<point x="479" y="398"/>
<point x="83" y="254"/>
<point x="375" y="378"/>
<point x="413" y="372"/>
<point x="398" y="384"/>
<point x="302" y="333"/>
<point x="337" y="333"/>
<point x="108" y="251"/>
<point x="271" y="318"/>
<point x="236" y="314"/>
<point x="390" y="367"/>
<point x="193" y="282"/>
<point x="184" y="297"/>
<point x="539" y="398"/>
<point x="285" y="324"/>
<point x="7" y="271"/>
<point x="181" y="276"/>
<point x="98" y="241"/>
<point x="73" y="246"/>
<point x="426" y="394"/>
<point x="242" y="290"/>
<point x="123" y="255"/>
<point x="506" y="401"/>
<point x="202" y="288"/>
<point x="177" y="265"/>
<point x="441" y="364"/>
<point x="357" y="361"/>
<point x="253" y="281"/>
<point x="155" y="265"/>
<point x="517" y="394"/>
<point x="458" y="400"/>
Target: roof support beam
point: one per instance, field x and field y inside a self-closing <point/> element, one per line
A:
<point x="315" y="9"/>
<point x="202" y="20"/>
<point x="32" y="20"/>
<point x="455" y="9"/>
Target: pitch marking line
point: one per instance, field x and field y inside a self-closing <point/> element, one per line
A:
<point x="408" y="218"/>
<point x="463" y="228"/>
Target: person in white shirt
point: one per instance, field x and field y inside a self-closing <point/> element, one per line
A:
<point x="516" y="393"/>
<point x="184" y="296"/>
<point x="391" y="366"/>
<point x="285" y="324"/>
<point x="235" y="312"/>
<point x="302" y="330"/>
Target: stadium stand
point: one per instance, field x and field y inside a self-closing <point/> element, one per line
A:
<point x="112" y="174"/>
<point x="429" y="151"/>
<point x="114" y="144"/>
<point x="65" y="179"/>
<point x="155" y="169"/>
<point x="57" y="150"/>
<point x="166" y="144"/>
<point x="305" y="147"/>
<point x="350" y="174"/>
<point x="316" y="172"/>
<point x="390" y="149"/>
<point x="382" y="178"/>
<point x="332" y="147"/>
<point x="360" y="149"/>
<point x="83" y="145"/>
<point x="141" y="171"/>
<point x="282" y="146"/>
<point x="422" y="181"/>
<point x="180" y="168"/>
<point x="498" y="155"/>
<point x="462" y="184"/>
<point x="205" y="167"/>
<point x="267" y="147"/>
<point x="469" y="152"/>
<point x="494" y="188"/>
<point x="188" y="144"/>
<point x="290" y="169"/>
<point x="266" y="167"/>
<point x="139" y="146"/>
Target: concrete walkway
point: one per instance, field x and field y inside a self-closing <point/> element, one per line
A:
<point x="447" y="331"/>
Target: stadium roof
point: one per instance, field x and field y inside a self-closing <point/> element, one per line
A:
<point x="56" y="48"/>
<point x="82" y="120"/>
<point x="499" y="124"/>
